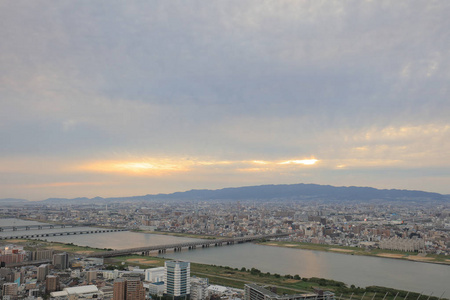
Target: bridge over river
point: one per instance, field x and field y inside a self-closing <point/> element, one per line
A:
<point x="189" y="245"/>
<point x="41" y="226"/>
<point x="48" y="234"/>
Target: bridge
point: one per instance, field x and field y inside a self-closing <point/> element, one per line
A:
<point x="48" y="234"/>
<point x="41" y="226"/>
<point x="188" y="245"/>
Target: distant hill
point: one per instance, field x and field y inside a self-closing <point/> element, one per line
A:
<point x="12" y="201"/>
<point x="282" y="192"/>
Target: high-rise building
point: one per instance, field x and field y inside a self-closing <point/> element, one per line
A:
<point x="18" y="277"/>
<point x="61" y="261"/>
<point x="177" y="279"/>
<point x="119" y="289"/>
<point x="41" y="254"/>
<point x="51" y="283"/>
<point x="135" y="289"/>
<point x="128" y="288"/>
<point x="42" y="272"/>
<point x="10" y="289"/>
<point x="91" y="276"/>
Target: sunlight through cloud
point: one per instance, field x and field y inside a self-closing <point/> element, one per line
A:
<point x="300" y="162"/>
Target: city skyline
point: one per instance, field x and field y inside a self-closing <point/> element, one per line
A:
<point x="110" y="99"/>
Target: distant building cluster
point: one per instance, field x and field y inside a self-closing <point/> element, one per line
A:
<point x="11" y="254"/>
<point x="321" y="222"/>
<point x="401" y="244"/>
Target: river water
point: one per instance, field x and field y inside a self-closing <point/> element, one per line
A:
<point x="351" y="269"/>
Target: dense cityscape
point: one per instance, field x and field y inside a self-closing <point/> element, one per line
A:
<point x="421" y="228"/>
<point x="33" y="270"/>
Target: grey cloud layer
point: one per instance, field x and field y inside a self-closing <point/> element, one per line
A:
<point x="235" y="79"/>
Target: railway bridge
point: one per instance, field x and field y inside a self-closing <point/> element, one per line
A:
<point x="49" y="234"/>
<point x="41" y="226"/>
<point x="187" y="245"/>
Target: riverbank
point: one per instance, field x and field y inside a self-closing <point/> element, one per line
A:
<point x="287" y="284"/>
<point x="229" y="276"/>
<point x="34" y="244"/>
<point x="411" y="256"/>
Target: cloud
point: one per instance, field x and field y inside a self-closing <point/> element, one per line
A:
<point x="169" y="166"/>
<point x="62" y="184"/>
<point x="360" y="83"/>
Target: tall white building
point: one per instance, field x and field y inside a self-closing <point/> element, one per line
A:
<point x="177" y="281"/>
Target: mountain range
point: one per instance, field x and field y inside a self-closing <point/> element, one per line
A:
<point x="300" y="192"/>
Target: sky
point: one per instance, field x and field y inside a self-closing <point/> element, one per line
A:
<point x="122" y="98"/>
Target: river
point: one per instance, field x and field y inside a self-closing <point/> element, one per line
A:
<point x="351" y="269"/>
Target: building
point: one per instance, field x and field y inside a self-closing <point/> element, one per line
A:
<point x="135" y="289"/>
<point x="10" y="289"/>
<point x="155" y="288"/>
<point x="407" y="245"/>
<point x="217" y="291"/>
<point x="199" y="288"/>
<point x="51" y="283"/>
<point x="42" y="272"/>
<point x="107" y="274"/>
<point x="91" y="276"/>
<point x="155" y="274"/>
<point x="41" y="254"/>
<point x="12" y="254"/>
<point x="107" y="291"/>
<point x="78" y="292"/>
<point x="128" y="288"/>
<point x="177" y="279"/>
<point x="119" y="289"/>
<point x="257" y="292"/>
<point x="61" y="261"/>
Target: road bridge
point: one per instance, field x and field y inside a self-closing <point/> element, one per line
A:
<point x="41" y="226"/>
<point x="188" y="245"/>
<point x="49" y="234"/>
